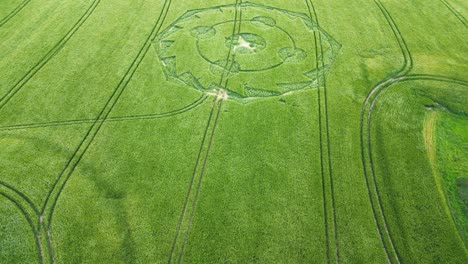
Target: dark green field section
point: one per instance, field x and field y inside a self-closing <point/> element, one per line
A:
<point x="172" y="131"/>
<point x="412" y="189"/>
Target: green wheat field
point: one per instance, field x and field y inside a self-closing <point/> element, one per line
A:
<point x="213" y="131"/>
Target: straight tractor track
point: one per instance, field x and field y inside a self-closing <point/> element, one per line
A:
<point x="333" y="226"/>
<point x="172" y="113"/>
<point x="327" y="129"/>
<point x="175" y="244"/>
<point x="194" y="204"/>
<point x="41" y="63"/>
<point x="192" y="180"/>
<point x="178" y="247"/>
<point x="455" y="13"/>
<point x="330" y="171"/>
<point x="14" y="12"/>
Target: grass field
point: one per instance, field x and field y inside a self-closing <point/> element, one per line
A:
<point x="234" y="131"/>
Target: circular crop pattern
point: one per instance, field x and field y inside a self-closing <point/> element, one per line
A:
<point x="251" y="51"/>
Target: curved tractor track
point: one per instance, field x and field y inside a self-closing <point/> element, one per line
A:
<point x="366" y="129"/>
<point x="365" y="133"/>
<point x="31" y="224"/>
<point x="20" y="199"/>
<point x="61" y="181"/>
<point x="42" y="230"/>
<point x="40" y="220"/>
<point x="373" y="191"/>
<point x="32" y="215"/>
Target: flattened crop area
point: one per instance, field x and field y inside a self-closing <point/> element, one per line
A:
<point x="233" y="131"/>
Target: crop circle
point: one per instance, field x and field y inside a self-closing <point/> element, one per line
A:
<point x="259" y="51"/>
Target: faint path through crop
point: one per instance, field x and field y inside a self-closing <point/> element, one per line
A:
<point x="171" y="113"/>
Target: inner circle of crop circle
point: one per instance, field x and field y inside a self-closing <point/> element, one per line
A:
<point x="252" y="43"/>
<point x="251" y="51"/>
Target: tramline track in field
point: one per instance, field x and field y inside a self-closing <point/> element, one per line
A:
<point x="51" y="54"/>
<point x="14" y="12"/>
<point x="184" y="222"/>
<point x="172" y="113"/>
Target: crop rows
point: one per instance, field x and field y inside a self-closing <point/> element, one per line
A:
<point x="54" y="194"/>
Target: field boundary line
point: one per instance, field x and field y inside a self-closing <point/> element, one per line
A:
<point x="456" y="13"/>
<point x="218" y="101"/>
<point x="14" y="12"/>
<point x="171" y="113"/>
<point x="430" y="145"/>
<point x="50" y="54"/>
